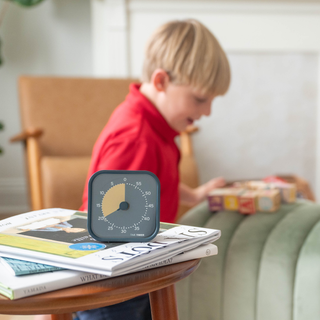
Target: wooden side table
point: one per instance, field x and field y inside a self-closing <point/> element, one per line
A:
<point x="159" y="283"/>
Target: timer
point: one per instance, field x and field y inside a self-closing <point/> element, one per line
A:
<point x="123" y="206"/>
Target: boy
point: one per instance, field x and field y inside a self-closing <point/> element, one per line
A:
<point x="184" y="70"/>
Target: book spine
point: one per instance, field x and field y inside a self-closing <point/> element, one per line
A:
<point x="56" y="284"/>
<point x="197" y="253"/>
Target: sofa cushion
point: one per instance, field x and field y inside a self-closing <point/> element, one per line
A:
<point x="267" y="266"/>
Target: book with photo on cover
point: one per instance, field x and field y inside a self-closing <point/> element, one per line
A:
<point x="59" y="237"/>
<point x="18" y="267"/>
<point x="16" y="287"/>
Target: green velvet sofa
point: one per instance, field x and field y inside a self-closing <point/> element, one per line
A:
<point x="267" y="268"/>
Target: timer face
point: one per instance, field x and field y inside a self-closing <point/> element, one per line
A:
<point x="123" y="206"/>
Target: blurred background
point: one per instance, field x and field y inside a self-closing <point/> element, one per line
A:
<point x="266" y="124"/>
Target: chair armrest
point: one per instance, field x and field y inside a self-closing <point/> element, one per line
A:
<point x="24" y="135"/>
<point x="185" y="141"/>
<point x="191" y="129"/>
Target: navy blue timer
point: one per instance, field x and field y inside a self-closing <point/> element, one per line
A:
<point x="123" y="206"/>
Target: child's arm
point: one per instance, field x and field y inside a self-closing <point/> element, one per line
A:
<point x="191" y="197"/>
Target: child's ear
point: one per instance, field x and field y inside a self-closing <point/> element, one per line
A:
<point x="160" y="79"/>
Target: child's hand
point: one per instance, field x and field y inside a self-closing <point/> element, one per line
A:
<point x="214" y="183"/>
<point x="203" y="190"/>
<point x="191" y="197"/>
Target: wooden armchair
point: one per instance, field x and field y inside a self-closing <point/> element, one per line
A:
<point x="61" y="120"/>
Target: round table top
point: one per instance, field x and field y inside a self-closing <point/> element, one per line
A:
<point x="99" y="293"/>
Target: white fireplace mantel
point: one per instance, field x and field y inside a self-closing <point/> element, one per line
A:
<point x="121" y="28"/>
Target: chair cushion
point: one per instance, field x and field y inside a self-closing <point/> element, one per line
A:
<point x="63" y="180"/>
<point x="268" y="266"/>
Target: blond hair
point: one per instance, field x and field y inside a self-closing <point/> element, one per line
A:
<point x="190" y="54"/>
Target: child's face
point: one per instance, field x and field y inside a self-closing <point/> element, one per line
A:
<point x="181" y="105"/>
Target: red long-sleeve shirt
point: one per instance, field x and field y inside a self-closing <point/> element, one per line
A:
<point x="137" y="137"/>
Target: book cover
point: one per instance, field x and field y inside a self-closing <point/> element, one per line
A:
<point x="59" y="237"/>
<point x="21" y="267"/>
<point x="15" y="287"/>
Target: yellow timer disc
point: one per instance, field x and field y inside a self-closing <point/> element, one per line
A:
<point x="113" y="198"/>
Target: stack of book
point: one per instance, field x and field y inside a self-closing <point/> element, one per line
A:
<point x="37" y="256"/>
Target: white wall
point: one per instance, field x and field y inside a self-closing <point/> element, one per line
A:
<point x="266" y="124"/>
<point x="53" y="38"/>
<point x="268" y="121"/>
<point x="274" y="51"/>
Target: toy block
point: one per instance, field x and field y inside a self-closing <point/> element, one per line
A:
<point x="274" y="179"/>
<point x="231" y="201"/>
<point x="269" y="200"/>
<point x="215" y="199"/>
<point x="288" y="192"/>
<point x="257" y="185"/>
<point x="240" y="184"/>
<point x="248" y="202"/>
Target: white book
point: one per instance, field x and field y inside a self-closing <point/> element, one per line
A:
<point x="16" y="287"/>
<point x="39" y="236"/>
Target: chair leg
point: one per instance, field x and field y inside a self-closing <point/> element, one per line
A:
<point x="163" y="304"/>
<point x="33" y="154"/>
<point x="62" y="316"/>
